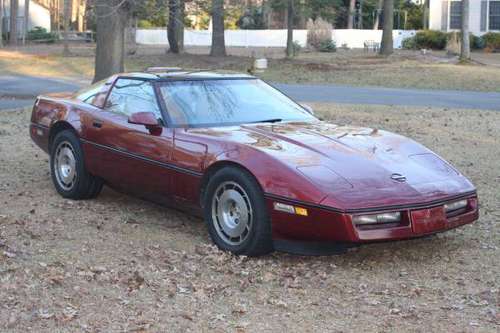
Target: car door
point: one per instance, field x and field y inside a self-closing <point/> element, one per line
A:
<point x="128" y="156"/>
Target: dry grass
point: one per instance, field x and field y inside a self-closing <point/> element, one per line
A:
<point x="405" y="69"/>
<point x="117" y="263"/>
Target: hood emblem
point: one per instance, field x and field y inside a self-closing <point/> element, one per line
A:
<point x="398" y="177"/>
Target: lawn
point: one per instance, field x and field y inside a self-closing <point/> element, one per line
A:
<point x="117" y="263"/>
<point x="405" y="69"/>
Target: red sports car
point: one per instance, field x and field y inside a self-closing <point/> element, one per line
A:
<point x="262" y="170"/>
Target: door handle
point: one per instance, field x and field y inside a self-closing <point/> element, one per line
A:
<point x="97" y="123"/>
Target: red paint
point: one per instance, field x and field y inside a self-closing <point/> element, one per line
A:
<point x="330" y="170"/>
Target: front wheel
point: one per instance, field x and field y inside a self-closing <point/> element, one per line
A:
<point x="236" y="213"/>
<point x="67" y="167"/>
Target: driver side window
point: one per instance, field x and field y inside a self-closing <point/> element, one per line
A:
<point x="129" y="96"/>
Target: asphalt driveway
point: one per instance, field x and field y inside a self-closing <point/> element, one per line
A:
<point x="19" y="91"/>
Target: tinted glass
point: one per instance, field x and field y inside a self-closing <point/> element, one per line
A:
<point x="456" y="15"/>
<point x="228" y="102"/>
<point x="129" y="96"/>
<point x="494" y="15"/>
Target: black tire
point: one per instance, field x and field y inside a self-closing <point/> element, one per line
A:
<point x="258" y="239"/>
<point x="84" y="185"/>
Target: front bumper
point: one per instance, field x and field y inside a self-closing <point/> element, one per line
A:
<point x="328" y="225"/>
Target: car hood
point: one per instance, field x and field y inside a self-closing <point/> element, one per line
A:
<point x="354" y="164"/>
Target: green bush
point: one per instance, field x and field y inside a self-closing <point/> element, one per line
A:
<point x="492" y="41"/>
<point x="144" y="24"/>
<point x="327" y="46"/>
<point x="41" y="34"/>
<point x="427" y="39"/>
<point x="476" y="42"/>
<point x="409" y="43"/>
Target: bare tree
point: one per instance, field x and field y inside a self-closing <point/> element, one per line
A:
<point x="218" y="48"/>
<point x="26" y="19"/>
<point x="112" y="16"/>
<point x="350" y="14"/>
<point x="173" y="25"/>
<point x="425" y="18"/>
<point x="290" y="52"/>
<point x="67" y="18"/>
<point x="14" y="6"/>
<point x="1" y="23"/>
<point x="376" y="23"/>
<point x="465" y="47"/>
<point x="386" y="47"/>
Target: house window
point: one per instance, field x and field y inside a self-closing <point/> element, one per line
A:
<point x="455" y="15"/>
<point x="494" y="15"/>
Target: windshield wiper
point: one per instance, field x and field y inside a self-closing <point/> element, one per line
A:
<point x="273" y="120"/>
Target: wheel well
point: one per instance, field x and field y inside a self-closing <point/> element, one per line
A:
<point x="212" y="169"/>
<point x="58" y="127"/>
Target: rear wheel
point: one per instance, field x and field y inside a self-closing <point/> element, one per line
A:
<point x="67" y="167"/>
<point x="236" y="213"/>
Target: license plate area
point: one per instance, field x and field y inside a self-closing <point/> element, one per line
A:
<point x="428" y="220"/>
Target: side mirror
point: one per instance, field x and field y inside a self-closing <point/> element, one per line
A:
<point x="308" y="108"/>
<point x="148" y="119"/>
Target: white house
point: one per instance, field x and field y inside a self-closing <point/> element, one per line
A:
<point x="39" y="15"/>
<point x="446" y="15"/>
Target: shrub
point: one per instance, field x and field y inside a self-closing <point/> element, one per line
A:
<point x="491" y="41"/>
<point x="476" y="42"/>
<point x="427" y="39"/>
<point x="296" y="48"/>
<point x="41" y="34"/>
<point x="409" y="43"/>
<point x="327" y="46"/>
<point x="318" y="31"/>
<point x="144" y="24"/>
<point x="454" y="43"/>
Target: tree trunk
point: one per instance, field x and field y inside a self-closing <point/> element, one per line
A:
<point x="180" y="26"/>
<point x="289" y="36"/>
<point x="465" y="48"/>
<point x="386" y="47"/>
<point x="1" y="23"/>
<point x="360" y="15"/>
<point x="218" y="43"/>
<point x="112" y="18"/>
<point x="66" y="22"/>
<point x="377" y="16"/>
<point x="14" y="6"/>
<point x="173" y="8"/>
<point x="425" y="22"/>
<point x="130" y="36"/>
<point x="26" y="19"/>
<point x="350" y="14"/>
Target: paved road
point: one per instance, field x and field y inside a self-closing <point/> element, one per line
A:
<point x="393" y="96"/>
<point x="18" y="91"/>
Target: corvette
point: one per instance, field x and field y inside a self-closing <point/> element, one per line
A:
<point x="262" y="170"/>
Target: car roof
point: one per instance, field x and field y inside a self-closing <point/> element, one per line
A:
<point x="175" y="74"/>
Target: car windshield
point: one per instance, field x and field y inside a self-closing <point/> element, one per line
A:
<point x="203" y="103"/>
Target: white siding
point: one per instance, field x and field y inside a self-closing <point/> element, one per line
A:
<point x="39" y="16"/>
<point x="435" y="15"/>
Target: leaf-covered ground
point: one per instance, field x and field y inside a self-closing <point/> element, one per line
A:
<point x="119" y="264"/>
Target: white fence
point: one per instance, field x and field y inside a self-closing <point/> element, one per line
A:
<point x="269" y="38"/>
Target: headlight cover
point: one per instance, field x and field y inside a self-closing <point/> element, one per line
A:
<point x="394" y="217"/>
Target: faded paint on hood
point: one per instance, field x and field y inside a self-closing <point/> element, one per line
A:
<point x="351" y="164"/>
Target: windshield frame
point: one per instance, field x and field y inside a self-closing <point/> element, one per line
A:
<point x="160" y="83"/>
